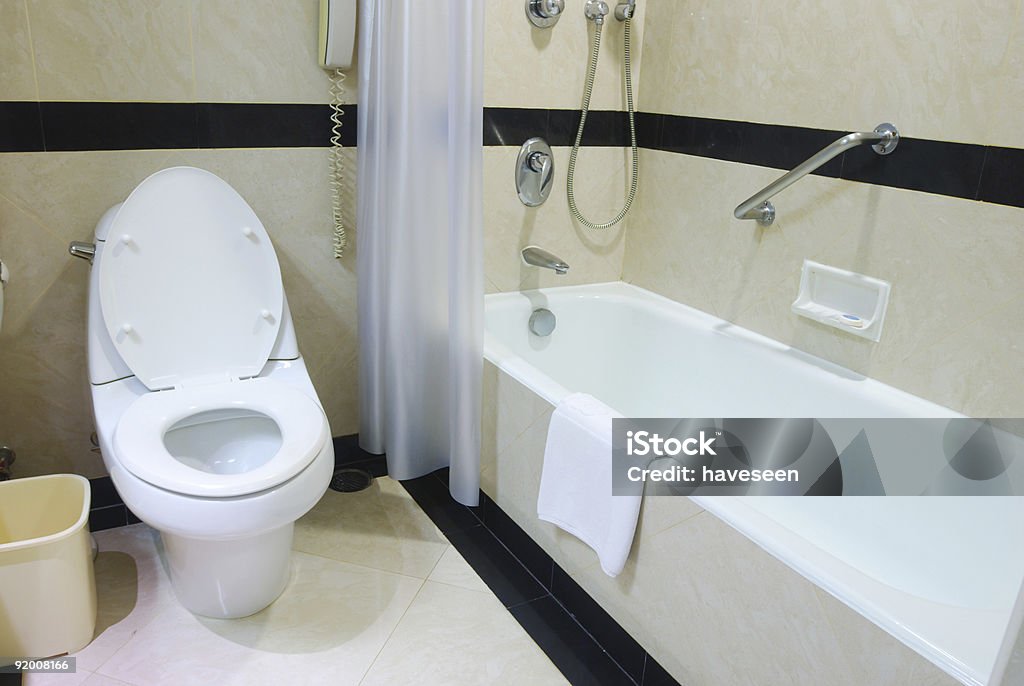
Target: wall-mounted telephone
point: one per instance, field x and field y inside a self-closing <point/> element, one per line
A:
<point x="337" y="42"/>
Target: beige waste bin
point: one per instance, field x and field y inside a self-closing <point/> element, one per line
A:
<point x="47" y="587"/>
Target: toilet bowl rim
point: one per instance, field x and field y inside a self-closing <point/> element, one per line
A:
<point x="138" y="437"/>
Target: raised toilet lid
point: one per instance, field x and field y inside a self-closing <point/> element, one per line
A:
<point x="190" y="286"/>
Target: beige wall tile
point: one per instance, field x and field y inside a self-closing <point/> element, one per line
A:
<point x="45" y="400"/>
<point x="112" y="50"/>
<point x="942" y="70"/>
<point x="530" y="67"/>
<point x="873" y="656"/>
<point x="17" y="78"/>
<point x="260" y="51"/>
<point x="68" y="192"/>
<point x="509" y="225"/>
<point x="952" y="263"/>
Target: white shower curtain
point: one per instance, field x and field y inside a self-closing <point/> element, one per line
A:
<point x="419" y="239"/>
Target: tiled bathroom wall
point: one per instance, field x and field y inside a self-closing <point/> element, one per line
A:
<point x="941" y="71"/>
<point x="708" y="604"/>
<point x="171" y="51"/>
<point x="527" y="67"/>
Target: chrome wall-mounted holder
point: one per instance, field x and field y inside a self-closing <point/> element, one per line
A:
<point x="884" y="140"/>
<point x="86" y="251"/>
<point x="544" y="13"/>
<point x="535" y="170"/>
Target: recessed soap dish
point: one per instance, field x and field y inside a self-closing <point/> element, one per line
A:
<point x="846" y="300"/>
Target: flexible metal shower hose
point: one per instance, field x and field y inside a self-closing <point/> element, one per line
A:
<point x="587" y="92"/>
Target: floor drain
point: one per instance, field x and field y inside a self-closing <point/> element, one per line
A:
<point x="350" y="480"/>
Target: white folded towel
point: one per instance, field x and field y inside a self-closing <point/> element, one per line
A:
<point x="576" y="483"/>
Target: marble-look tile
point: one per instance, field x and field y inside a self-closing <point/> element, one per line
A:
<point x="452" y="569"/>
<point x="53" y="679"/>
<point x="132" y="589"/>
<point x="454" y="636"/>
<point x="271" y="57"/>
<point x="45" y="398"/>
<point x="68" y="192"/>
<point x="114" y="50"/>
<point x="380" y="527"/>
<point x="17" y="78"/>
<point x="508" y="409"/>
<point x="34" y="256"/>
<point x="509" y="226"/>
<point x="530" y="67"/>
<point x="872" y="655"/>
<point x="727" y="596"/>
<point x="103" y="680"/>
<point x="684" y="243"/>
<point x="328" y="626"/>
<point x="513" y="482"/>
<point x="975" y="370"/>
<point x="959" y="75"/>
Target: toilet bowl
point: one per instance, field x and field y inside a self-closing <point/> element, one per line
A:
<point x="207" y="420"/>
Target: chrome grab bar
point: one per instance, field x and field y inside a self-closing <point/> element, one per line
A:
<point x="885" y="138"/>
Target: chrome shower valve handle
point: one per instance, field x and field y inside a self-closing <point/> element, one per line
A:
<point x="540" y="162"/>
<point x="544" y="13"/>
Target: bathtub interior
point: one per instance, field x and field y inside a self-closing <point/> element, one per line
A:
<point x="940" y="574"/>
<point x="646" y="371"/>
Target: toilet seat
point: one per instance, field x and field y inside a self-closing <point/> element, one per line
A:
<point x="138" y="440"/>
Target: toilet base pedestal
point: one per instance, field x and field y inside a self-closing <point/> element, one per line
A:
<point x="230" y="578"/>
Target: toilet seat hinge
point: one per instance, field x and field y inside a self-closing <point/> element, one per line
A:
<point x="205" y="380"/>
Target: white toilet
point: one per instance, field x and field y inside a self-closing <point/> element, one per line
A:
<point x="207" y="420"/>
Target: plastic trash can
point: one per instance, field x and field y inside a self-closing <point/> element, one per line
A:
<point x="47" y="585"/>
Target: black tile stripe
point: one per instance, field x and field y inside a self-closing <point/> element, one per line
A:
<point x="21" y="128"/>
<point x="1002" y="177"/>
<point x="118" y="126"/>
<point x="987" y="173"/>
<point x="79" y="126"/>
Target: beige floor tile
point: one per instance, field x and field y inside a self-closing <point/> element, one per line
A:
<point x="75" y="679"/>
<point x="102" y="680"/>
<point x="381" y="527"/>
<point x="132" y="589"/>
<point x="453" y="636"/>
<point x="452" y="569"/>
<point x="328" y="626"/>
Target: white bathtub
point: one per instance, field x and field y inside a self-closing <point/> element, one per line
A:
<point x="940" y="574"/>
